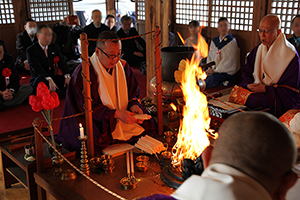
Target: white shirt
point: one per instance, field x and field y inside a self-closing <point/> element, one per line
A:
<point x="97" y="26"/>
<point x="221" y="181"/>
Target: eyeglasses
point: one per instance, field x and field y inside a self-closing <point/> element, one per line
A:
<point x="111" y="56"/>
<point x="266" y="31"/>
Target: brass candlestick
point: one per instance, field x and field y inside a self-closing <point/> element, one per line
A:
<point x="85" y="168"/>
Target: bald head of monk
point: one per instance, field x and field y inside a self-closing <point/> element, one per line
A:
<point x="259" y="145"/>
<point x="269" y="29"/>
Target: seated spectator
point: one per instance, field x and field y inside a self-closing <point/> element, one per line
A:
<point x="47" y="64"/>
<point x="253" y="158"/>
<point x="225" y="52"/>
<point x="194" y="29"/>
<point x="11" y="93"/>
<point x="110" y="21"/>
<point x="171" y="36"/>
<point x="67" y="36"/>
<point x="93" y="29"/>
<point x="295" y="40"/>
<point x="134" y="49"/>
<point x="24" y="40"/>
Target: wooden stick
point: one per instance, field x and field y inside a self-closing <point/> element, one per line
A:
<point x="132" y="163"/>
<point x="127" y="163"/>
<point x="87" y="94"/>
<point x="158" y="80"/>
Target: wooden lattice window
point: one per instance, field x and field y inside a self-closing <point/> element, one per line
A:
<point x="140" y="8"/>
<point x="7" y="15"/>
<point x="49" y="10"/>
<point x="239" y="13"/>
<point x="188" y="10"/>
<point x="285" y="10"/>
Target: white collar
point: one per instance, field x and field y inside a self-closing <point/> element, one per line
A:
<point x="43" y="47"/>
<point x="222" y="38"/>
<point x="97" y="26"/>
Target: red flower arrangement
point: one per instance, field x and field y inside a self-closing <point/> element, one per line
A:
<point x="45" y="102"/>
<point x="6" y="72"/>
<point x="56" y="60"/>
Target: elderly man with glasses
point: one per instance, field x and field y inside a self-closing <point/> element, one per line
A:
<point x="270" y="78"/>
<point x="114" y="91"/>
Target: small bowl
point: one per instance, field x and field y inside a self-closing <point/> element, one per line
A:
<point x="68" y="175"/>
<point x="142" y="158"/>
<point x="108" y="163"/>
<point x="142" y="166"/>
<point x="96" y="162"/>
<point x="166" y="155"/>
<point x="106" y="157"/>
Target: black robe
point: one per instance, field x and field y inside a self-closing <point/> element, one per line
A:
<point x="8" y="62"/>
<point x="93" y="33"/>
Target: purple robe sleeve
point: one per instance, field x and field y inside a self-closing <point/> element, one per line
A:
<point x="277" y="99"/>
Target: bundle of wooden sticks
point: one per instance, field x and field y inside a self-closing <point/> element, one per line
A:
<point x="150" y="145"/>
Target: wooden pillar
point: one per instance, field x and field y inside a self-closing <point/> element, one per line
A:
<point x="158" y="62"/>
<point x="21" y="14"/>
<point x="260" y="10"/>
<point x="87" y="94"/>
<point x="165" y="23"/>
<point x="150" y="26"/>
<point x="39" y="155"/>
<point x="110" y="7"/>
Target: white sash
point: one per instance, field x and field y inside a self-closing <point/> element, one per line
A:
<point x="273" y="62"/>
<point x="113" y="94"/>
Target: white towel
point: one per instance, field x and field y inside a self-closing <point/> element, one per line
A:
<point x="113" y="94"/>
<point x="273" y="62"/>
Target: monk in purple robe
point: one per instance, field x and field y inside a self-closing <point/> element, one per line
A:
<point x="114" y="91"/>
<point x="270" y="78"/>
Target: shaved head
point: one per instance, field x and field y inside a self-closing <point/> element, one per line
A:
<point x="257" y="144"/>
<point x="271" y="21"/>
<point x="269" y="29"/>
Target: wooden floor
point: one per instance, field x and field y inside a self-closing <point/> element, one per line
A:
<point x="16" y="192"/>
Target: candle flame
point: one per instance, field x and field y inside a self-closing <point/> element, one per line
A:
<point x="173" y="106"/>
<point x="80" y="125"/>
<point x="181" y="38"/>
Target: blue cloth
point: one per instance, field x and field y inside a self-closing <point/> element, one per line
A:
<point x="216" y="40"/>
<point x="219" y="79"/>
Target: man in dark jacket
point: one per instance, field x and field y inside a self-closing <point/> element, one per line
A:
<point x="24" y="40"/>
<point x="66" y="38"/>
<point x="134" y="49"/>
<point x="11" y="93"/>
<point x="47" y="64"/>
<point x="110" y="21"/>
<point x="295" y="40"/>
<point x="93" y="29"/>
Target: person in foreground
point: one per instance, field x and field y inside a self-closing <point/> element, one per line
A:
<point x="11" y="93"/>
<point x="114" y="91"/>
<point x="225" y="52"/>
<point x="270" y="78"/>
<point x="252" y="159"/>
<point x="47" y="64"/>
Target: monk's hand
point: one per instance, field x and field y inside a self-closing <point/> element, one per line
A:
<point x="52" y="85"/>
<point x="67" y="81"/>
<point x="125" y="116"/>
<point x="257" y="87"/>
<point x="210" y="71"/>
<point x="136" y="109"/>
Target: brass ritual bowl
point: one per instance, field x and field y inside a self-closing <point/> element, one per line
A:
<point x="95" y="163"/>
<point x="129" y="183"/>
<point x="142" y="158"/>
<point x="166" y="155"/>
<point x="142" y="166"/>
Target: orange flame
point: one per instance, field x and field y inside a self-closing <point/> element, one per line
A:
<point x="182" y="40"/>
<point x="173" y="106"/>
<point x="193" y="136"/>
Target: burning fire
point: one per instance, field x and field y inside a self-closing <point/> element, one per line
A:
<point x="173" y="107"/>
<point x="182" y="40"/>
<point x="193" y="136"/>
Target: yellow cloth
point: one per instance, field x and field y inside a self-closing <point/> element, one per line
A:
<point x="239" y="95"/>
<point x="113" y="94"/>
<point x="273" y="62"/>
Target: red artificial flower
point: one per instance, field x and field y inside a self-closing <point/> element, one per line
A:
<point x="56" y="99"/>
<point x="56" y="60"/>
<point x="48" y="102"/>
<point x="36" y="103"/>
<point x="42" y="89"/>
<point x="6" y="72"/>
